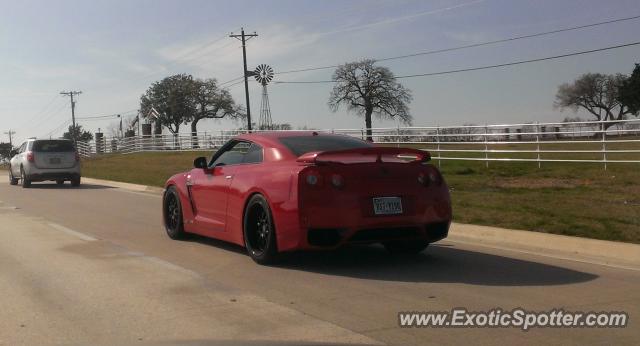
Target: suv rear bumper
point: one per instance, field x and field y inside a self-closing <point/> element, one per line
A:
<point x="36" y="174"/>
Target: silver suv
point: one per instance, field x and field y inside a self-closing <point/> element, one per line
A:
<point x="42" y="160"/>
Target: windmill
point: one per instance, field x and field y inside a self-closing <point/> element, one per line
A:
<point x="264" y="74"/>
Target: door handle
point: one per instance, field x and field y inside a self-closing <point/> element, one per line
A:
<point x="228" y="177"/>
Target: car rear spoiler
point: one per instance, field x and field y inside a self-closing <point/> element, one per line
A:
<point x="316" y="157"/>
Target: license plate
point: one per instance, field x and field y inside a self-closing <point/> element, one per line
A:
<point x="387" y="205"/>
<point x="54" y="160"/>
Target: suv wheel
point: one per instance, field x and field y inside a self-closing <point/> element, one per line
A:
<point x="26" y="182"/>
<point x="12" y="180"/>
<point x="75" y="182"/>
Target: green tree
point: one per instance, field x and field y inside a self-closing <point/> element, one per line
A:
<point x="630" y="91"/>
<point x="5" y="150"/>
<point x="77" y="134"/>
<point x="366" y="90"/>
<point x="212" y="102"/>
<point x="173" y="99"/>
<point x="597" y="93"/>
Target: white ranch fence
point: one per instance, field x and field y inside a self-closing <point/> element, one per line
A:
<point x="595" y="142"/>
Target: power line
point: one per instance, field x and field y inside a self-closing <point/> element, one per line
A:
<point x="41" y="111"/>
<point x="58" y="128"/>
<point x="487" y="43"/>
<point x="231" y="81"/>
<point x="482" y="67"/>
<point x="234" y="84"/>
<point x="52" y="114"/>
<point x="114" y="115"/>
<point x="181" y="57"/>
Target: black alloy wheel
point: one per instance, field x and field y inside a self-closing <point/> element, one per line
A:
<point x="172" y="213"/>
<point x="259" y="231"/>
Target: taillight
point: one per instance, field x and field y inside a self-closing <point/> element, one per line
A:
<point x="422" y="179"/>
<point x="337" y="181"/>
<point x="429" y="177"/>
<point x="31" y="157"/>
<point x="434" y="177"/>
<point x="312" y="178"/>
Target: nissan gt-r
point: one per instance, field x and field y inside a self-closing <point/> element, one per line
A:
<point x="274" y="192"/>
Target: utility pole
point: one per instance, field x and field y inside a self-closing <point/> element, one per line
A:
<point x="10" y="133"/>
<point x="244" y="38"/>
<point x="73" y="111"/>
<point x="120" y="117"/>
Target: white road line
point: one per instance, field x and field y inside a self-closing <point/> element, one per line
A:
<point x="72" y="232"/>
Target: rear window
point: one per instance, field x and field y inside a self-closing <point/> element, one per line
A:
<point x="303" y="144"/>
<point x="53" y="146"/>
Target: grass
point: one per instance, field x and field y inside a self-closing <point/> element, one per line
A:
<point x="577" y="199"/>
<point x="151" y="169"/>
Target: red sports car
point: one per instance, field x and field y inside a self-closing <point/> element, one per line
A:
<point x="273" y="192"/>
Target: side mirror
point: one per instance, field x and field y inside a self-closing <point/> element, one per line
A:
<point x="200" y="162"/>
<point x="13" y="153"/>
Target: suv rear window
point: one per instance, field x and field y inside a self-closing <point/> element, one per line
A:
<point x="302" y="144"/>
<point x="53" y="146"/>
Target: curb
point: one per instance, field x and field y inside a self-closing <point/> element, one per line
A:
<point x="127" y="186"/>
<point x="604" y="252"/>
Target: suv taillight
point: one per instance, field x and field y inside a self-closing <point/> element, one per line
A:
<point x="31" y="157"/>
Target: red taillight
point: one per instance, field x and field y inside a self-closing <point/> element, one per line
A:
<point x="313" y="178"/>
<point x="430" y="177"/>
<point x="337" y="181"/>
<point x="422" y="179"/>
<point x="31" y="157"/>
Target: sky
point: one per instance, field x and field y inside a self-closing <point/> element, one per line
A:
<point x="113" y="50"/>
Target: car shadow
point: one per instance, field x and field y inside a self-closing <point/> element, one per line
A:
<point x="444" y="264"/>
<point x="54" y="186"/>
<point x="221" y="244"/>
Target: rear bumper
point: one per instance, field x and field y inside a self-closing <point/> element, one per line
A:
<point x="328" y="238"/>
<point x="40" y="174"/>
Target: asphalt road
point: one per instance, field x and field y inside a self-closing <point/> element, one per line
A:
<point x="94" y="265"/>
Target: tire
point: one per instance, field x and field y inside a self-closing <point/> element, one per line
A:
<point x="406" y="247"/>
<point x="75" y="182"/>
<point x="60" y="182"/>
<point x="259" y="231"/>
<point x="12" y="180"/>
<point x="26" y="183"/>
<point x="172" y="214"/>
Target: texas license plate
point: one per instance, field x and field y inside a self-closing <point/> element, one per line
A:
<point x="387" y="205"/>
<point x="54" y="160"/>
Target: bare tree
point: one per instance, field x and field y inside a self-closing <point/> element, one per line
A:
<point x="597" y="93"/>
<point x="367" y="89"/>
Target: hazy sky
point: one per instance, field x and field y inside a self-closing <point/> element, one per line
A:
<point x="112" y="51"/>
